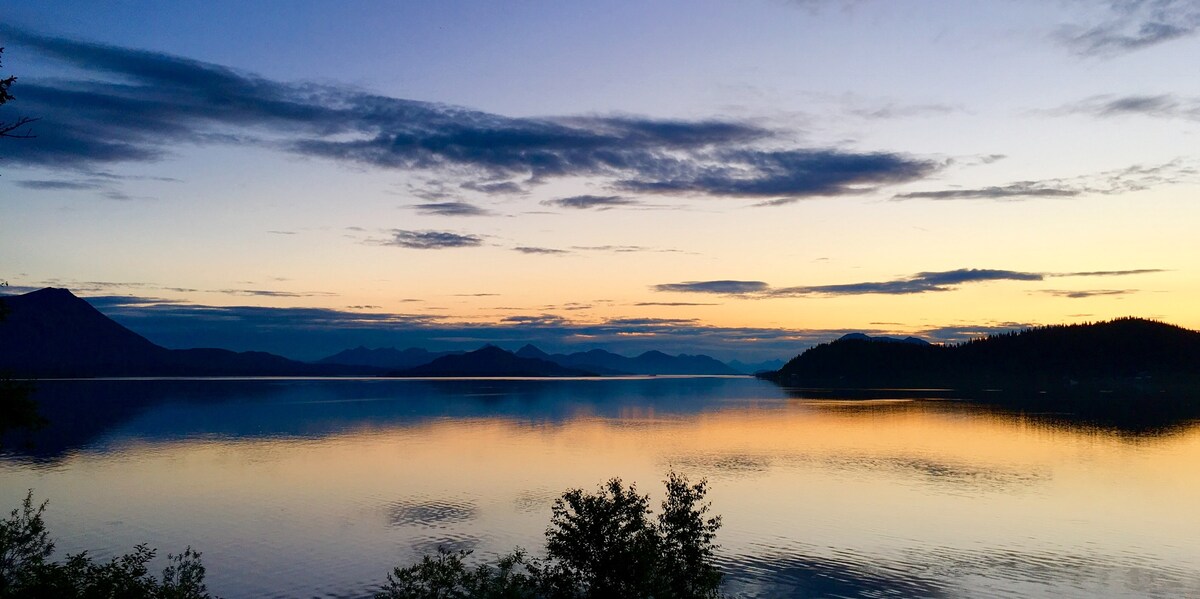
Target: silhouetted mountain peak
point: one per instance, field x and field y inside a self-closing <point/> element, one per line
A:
<point x="490" y="360"/>
<point x="530" y="350"/>
<point x="51" y="332"/>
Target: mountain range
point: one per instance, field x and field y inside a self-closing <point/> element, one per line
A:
<point x="52" y="333"/>
<point x="491" y="361"/>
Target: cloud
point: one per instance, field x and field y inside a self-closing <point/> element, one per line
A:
<point x="622" y="249"/>
<point x="1158" y="106"/>
<point x="432" y="240"/>
<point x="1081" y="294"/>
<point x="450" y="209"/>
<point x="724" y="287"/>
<point x="670" y="304"/>
<point x="1130" y="25"/>
<point x="585" y="202"/>
<point x="1110" y="273"/>
<point x="53" y="185"/>
<point x="537" y="250"/>
<point x="269" y="293"/>
<point x="900" y="111"/>
<point x="1022" y="189"/>
<point x="771" y="173"/>
<point x="1114" y="182"/>
<point x="134" y="105"/>
<point x="922" y="282"/>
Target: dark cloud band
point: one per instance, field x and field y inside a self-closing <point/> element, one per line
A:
<point x="136" y="105"/>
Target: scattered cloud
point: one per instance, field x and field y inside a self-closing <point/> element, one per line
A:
<point x="1109" y="273"/>
<point x="674" y="304"/>
<point x="54" y="185"/>
<point x="586" y="202"/>
<point x="1019" y="190"/>
<point x="922" y="282"/>
<point x="1113" y="182"/>
<point x="899" y="111"/>
<point x="1081" y="294"/>
<point x="270" y="293"/>
<point x="1129" y="25"/>
<point x="432" y="240"/>
<point x="450" y="209"/>
<point x="622" y="249"/>
<point x="724" y="287"/>
<point x="538" y="250"/>
<point x="1159" y="106"/>
<point x="135" y="105"/>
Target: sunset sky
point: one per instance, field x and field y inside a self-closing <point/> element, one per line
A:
<point x="736" y="178"/>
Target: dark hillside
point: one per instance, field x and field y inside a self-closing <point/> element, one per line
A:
<point x="1125" y="353"/>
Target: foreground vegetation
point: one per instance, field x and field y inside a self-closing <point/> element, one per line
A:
<point x="606" y="544"/>
<point x="599" y="545"/>
<point x="26" y="572"/>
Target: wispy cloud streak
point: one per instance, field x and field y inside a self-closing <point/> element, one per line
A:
<point x="922" y="282"/>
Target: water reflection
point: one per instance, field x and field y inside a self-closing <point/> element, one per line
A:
<point x="306" y="488"/>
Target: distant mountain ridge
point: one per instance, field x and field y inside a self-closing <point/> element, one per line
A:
<point x="491" y="361"/>
<point x="595" y="361"/>
<point x="651" y="362"/>
<point x="1127" y="353"/>
<point x="386" y="358"/>
<point x="53" y="333"/>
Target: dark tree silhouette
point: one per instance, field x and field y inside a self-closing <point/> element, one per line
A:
<point x="26" y="570"/>
<point x="12" y="129"/>
<point x="599" y="545"/>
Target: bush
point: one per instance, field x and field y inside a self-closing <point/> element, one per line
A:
<point x="599" y="545"/>
<point x="27" y="573"/>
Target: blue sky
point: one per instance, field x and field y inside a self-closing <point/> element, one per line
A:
<point x="744" y="178"/>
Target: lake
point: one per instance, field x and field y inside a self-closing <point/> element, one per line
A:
<point x="317" y="488"/>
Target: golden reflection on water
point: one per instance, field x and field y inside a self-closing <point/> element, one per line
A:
<point x="896" y="482"/>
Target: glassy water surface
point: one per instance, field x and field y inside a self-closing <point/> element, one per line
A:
<point x="317" y="488"/>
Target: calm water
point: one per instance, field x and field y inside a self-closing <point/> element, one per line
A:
<point x="295" y="488"/>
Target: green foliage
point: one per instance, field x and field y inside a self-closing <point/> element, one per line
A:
<point x="446" y="576"/>
<point x="599" y="545"/>
<point x="26" y="572"/>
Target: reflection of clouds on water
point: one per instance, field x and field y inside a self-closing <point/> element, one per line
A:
<point x="790" y="574"/>
<point x="721" y="465"/>
<point x="434" y="513"/>
<point x="936" y="472"/>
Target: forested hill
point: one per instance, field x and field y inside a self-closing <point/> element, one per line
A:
<point x="1122" y="353"/>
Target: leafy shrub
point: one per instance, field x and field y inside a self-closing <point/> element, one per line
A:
<point x="599" y="545"/>
<point x="27" y="573"/>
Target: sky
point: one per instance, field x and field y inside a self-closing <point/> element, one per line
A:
<point x="742" y="179"/>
